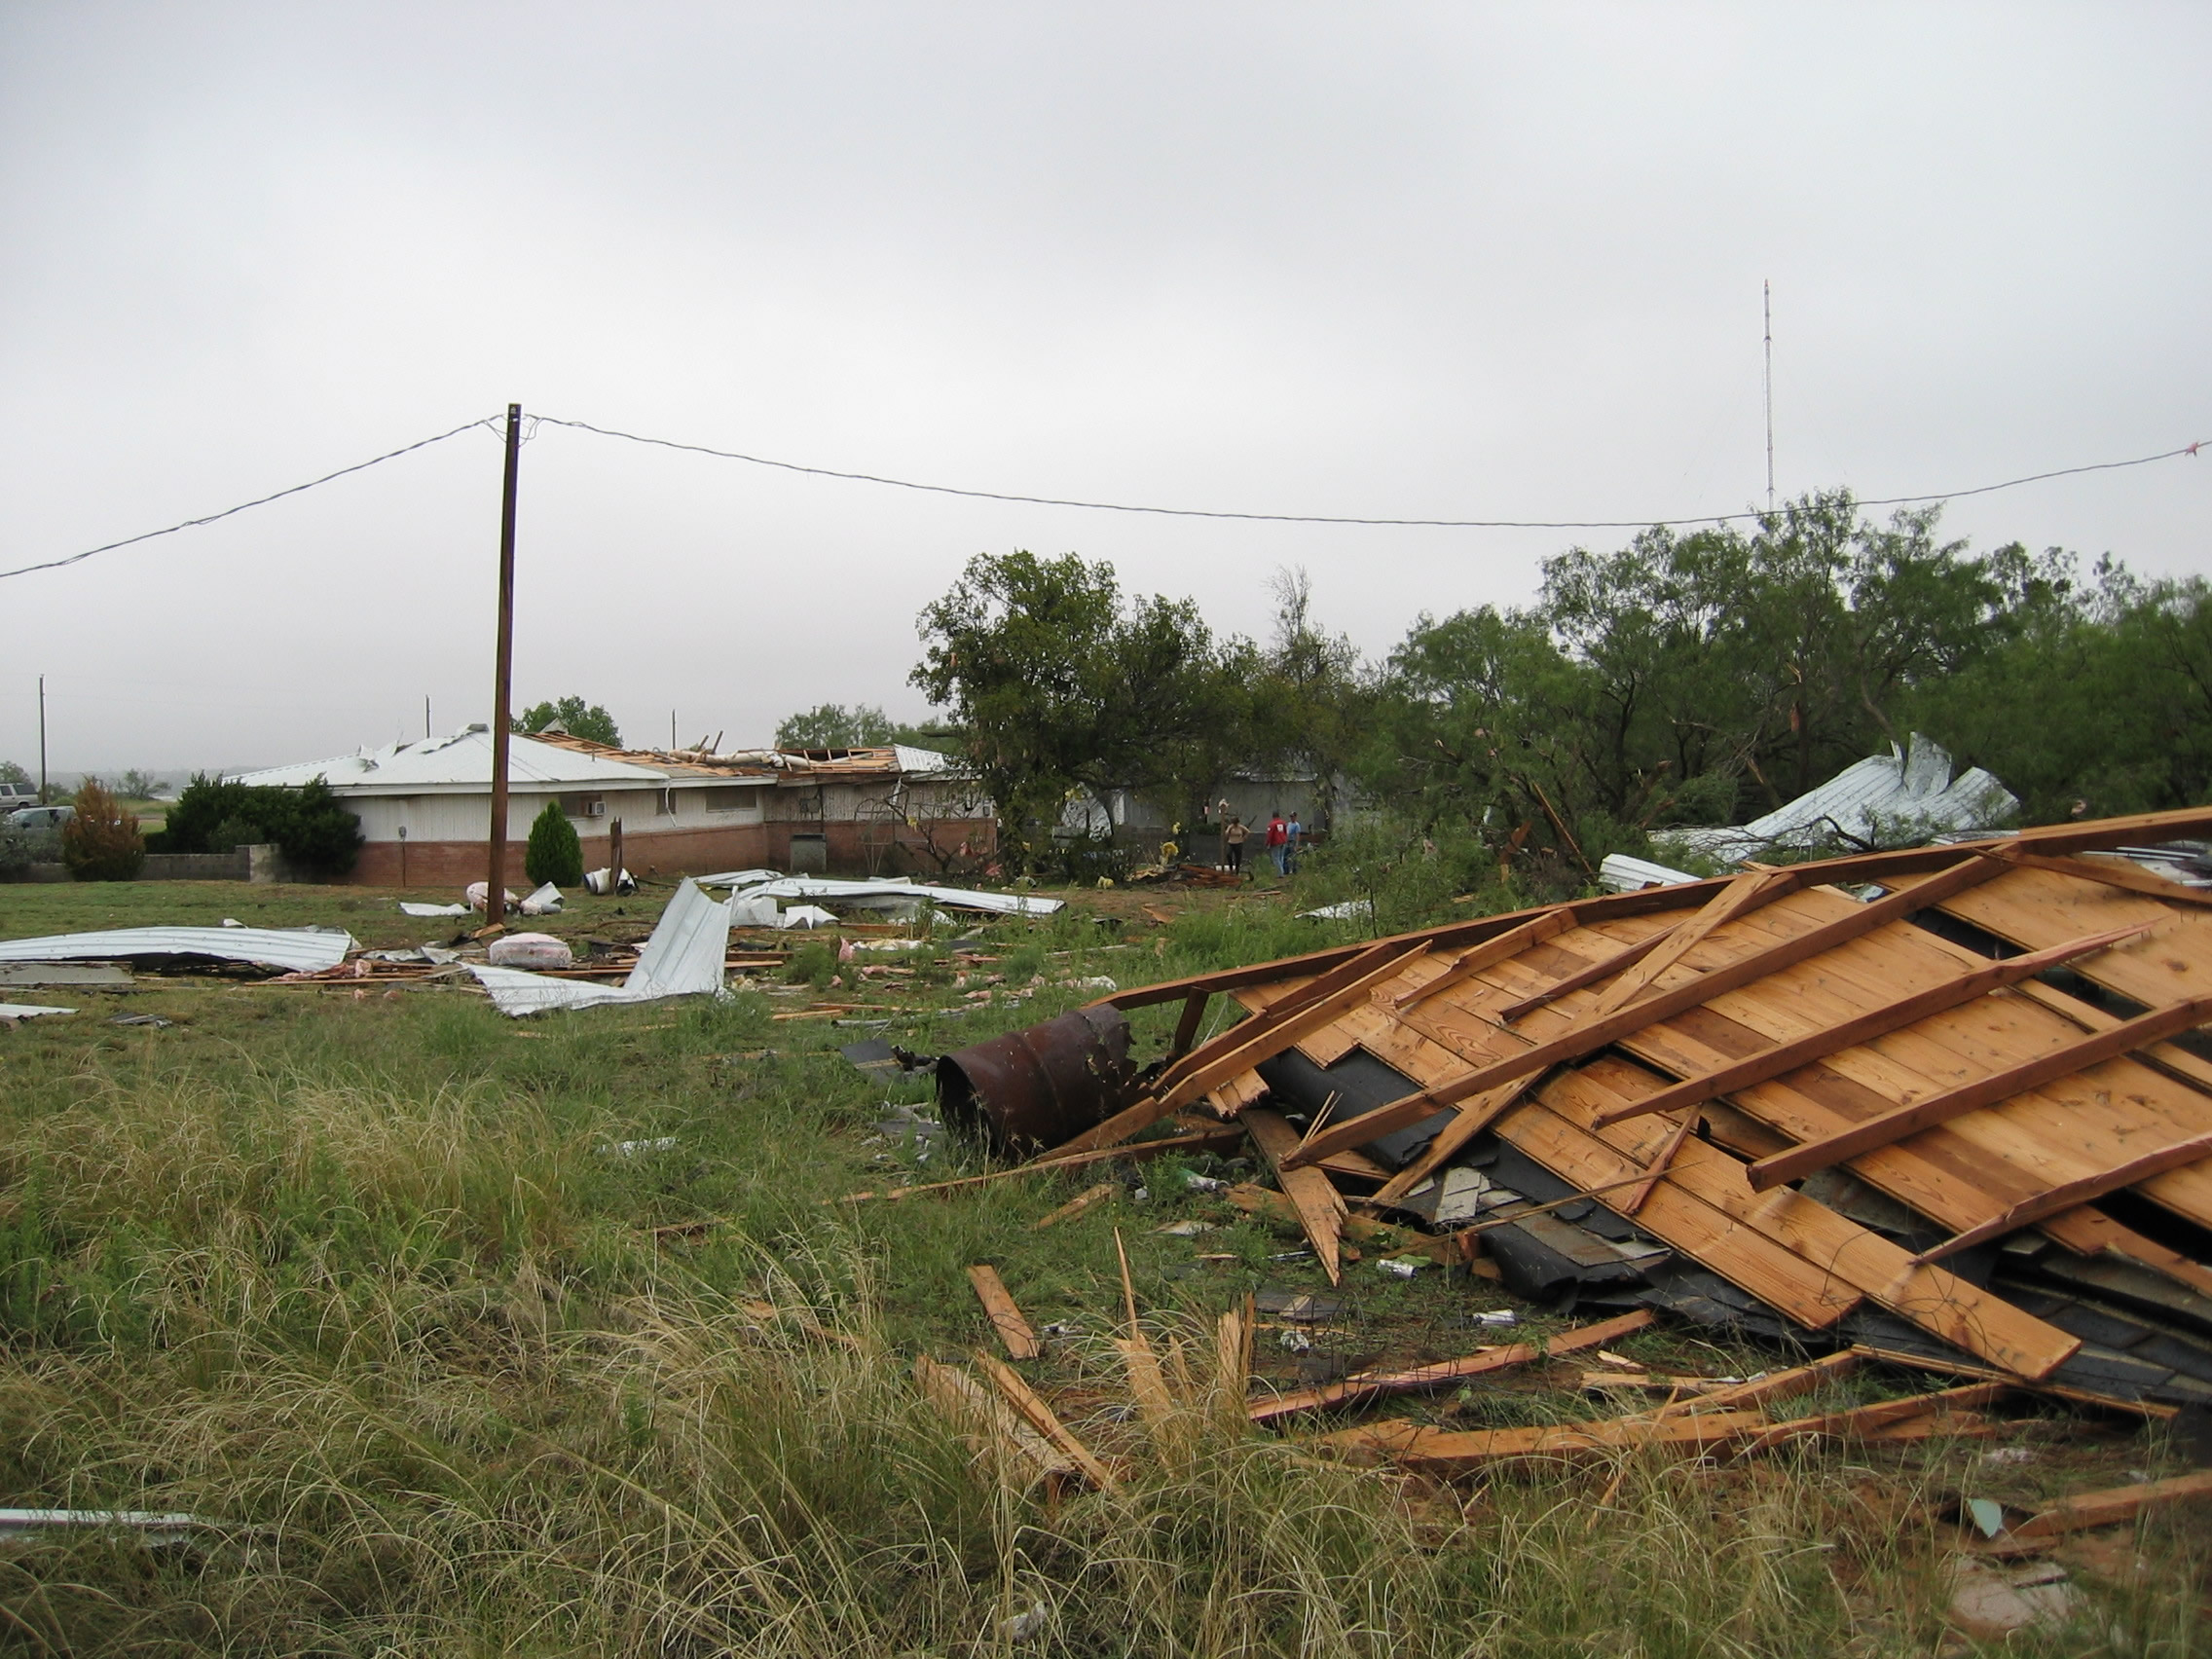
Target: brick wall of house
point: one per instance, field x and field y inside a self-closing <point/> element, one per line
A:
<point x="670" y="853"/>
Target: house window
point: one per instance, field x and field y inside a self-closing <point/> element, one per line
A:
<point x="584" y="805"/>
<point x="731" y="797"/>
<point x="664" y="802"/>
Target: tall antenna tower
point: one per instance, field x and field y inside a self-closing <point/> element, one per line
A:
<point x="1767" y="289"/>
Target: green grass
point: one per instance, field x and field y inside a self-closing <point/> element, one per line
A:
<point x="359" y="1278"/>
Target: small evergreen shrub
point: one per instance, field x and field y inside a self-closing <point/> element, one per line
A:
<point x="101" y="843"/>
<point x="318" y="833"/>
<point x="555" y="853"/>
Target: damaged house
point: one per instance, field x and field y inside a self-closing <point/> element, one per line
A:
<point x="425" y="806"/>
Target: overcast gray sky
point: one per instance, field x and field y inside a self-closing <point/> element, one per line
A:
<point x="1460" y="261"/>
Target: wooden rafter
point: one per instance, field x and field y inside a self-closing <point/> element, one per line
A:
<point x="2070" y="1193"/>
<point x="1476" y="957"/>
<point x="1875" y="1023"/>
<point x="1892" y="1126"/>
<point x="1588" y="1035"/>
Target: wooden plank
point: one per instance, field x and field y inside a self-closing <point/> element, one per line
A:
<point x="2088" y="1231"/>
<point x="2036" y="908"/>
<point x="1186" y="1028"/>
<point x="1020" y="1341"/>
<point x="1320" y="1207"/>
<point x="1076" y="1205"/>
<point x="2119" y="872"/>
<point x="1232" y="1095"/>
<point x="989" y="1425"/>
<point x="1147" y="1387"/>
<point x="2113" y="1505"/>
<point x="1476" y="957"/>
<point x="1946" y="1307"/>
<point x="1632" y="1201"/>
<point x="1743" y="894"/>
<point x="1041" y="1416"/>
<point x="1603" y="969"/>
<point x="2073" y="1192"/>
<point x="2090" y="1051"/>
<point x="1775" y="1386"/>
<point x="1422" y="1446"/>
<point x="1587" y="1036"/>
<point x="1374" y="1384"/>
<point x="1471" y="1119"/>
<point x="1785" y="1058"/>
<point x="1860" y="1420"/>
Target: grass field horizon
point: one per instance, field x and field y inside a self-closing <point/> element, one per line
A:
<point x="362" y="1279"/>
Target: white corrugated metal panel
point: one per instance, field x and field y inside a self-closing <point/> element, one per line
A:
<point x="298" y="952"/>
<point x="1868" y="801"/>
<point x="830" y="887"/>
<point x="1620" y="873"/>
<point x="683" y="958"/>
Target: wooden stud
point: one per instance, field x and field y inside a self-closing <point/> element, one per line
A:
<point x="1991" y="1090"/>
<point x="2110" y="1507"/>
<point x="1603" y="969"/>
<point x="1745" y="893"/>
<point x="1186" y="1028"/>
<point x="1006" y="1318"/>
<point x="1660" y="1160"/>
<point x="2120" y="872"/>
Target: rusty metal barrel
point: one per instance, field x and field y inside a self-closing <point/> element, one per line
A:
<point x="1033" y="1089"/>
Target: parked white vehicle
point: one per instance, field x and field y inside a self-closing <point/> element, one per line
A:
<point x="37" y="818"/>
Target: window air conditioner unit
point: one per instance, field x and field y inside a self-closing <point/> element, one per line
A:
<point x="594" y="809"/>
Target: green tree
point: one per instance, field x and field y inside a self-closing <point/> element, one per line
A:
<point x="833" y="725"/>
<point x="1061" y="680"/>
<point x="574" y="716"/>
<point x="101" y="842"/>
<point x="1310" y="703"/>
<point x="554" y="853"/>
<point x="10" y="773"/>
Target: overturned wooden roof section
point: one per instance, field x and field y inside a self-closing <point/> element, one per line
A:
<point x="1948" y="1102"/>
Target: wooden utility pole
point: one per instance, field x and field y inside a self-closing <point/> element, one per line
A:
<point x="614" y="856"/>
<point x="42" y="740"/>
<point x="496" y="894"/>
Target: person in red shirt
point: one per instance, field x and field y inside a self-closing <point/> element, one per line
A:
<point x="1279" y="841"/>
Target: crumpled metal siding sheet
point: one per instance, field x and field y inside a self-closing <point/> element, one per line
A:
<point x="270" y="947"/>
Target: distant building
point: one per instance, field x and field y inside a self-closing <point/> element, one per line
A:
<point x="425" y="807"/>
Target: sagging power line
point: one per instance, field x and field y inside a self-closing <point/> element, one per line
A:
<point x="493" y="422"/>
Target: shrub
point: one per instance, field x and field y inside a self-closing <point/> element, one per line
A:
<point x="101" y="843"/>
<point x="318" y="834"/>
<point x="555" y="853"/>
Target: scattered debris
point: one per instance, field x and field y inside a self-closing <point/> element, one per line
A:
<point x="637" y="1148"/>
<point x="1351" y="911"/>
<point x="78" y="976"/>
<point x="152" y="1020"/>
<point x="14" y="1011"/>
<point x="682" y="958"/>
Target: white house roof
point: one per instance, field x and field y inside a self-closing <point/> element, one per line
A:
<point x="461" y="764"/>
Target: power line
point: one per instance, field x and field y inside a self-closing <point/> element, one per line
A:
<point x="532" y="422"/>
<point x="211" y="518"/>
<point x="1324" y="518"/>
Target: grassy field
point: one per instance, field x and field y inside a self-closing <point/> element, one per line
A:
<point x="362" y="1278"/>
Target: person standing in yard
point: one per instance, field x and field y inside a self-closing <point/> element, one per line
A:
<point x="1290" y="837"/>
<point x="1233" y="840"/>
<point x="1278" y="832"/>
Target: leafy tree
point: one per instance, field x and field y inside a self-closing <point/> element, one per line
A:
<point x="833" y="725"/>
<point x="572" y="716"/>
<point x="1061" y="680"/>
<point x="10" y="773"/>
<point x="101" y="842"/>
<point x="554" y="853"/>
<point x="1310" y="709"/>
<point x="140" y="786"/>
